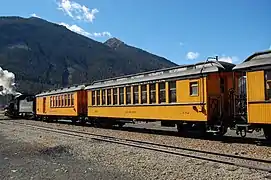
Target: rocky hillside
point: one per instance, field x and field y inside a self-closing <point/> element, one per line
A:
<point x="44" y="55"/>
<point x="144" y="60"/>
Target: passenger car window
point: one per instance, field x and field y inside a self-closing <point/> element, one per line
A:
<point x="135" y="90"/>
<point x="128" y="95"/>
<point x="115" y="96"/>
<point x="152" y="93"/>
<point x="98" y="97"/>
<point x="103" y="97"/>
<point x="69" y="99"/>
<point x="108" y="96"/>
<point x="194" y="88"/>
<point x="121" y="95"/>
<point x="172" y="91"/>
<point x="72" y="99"/>
<point x="66" y="100"/>
<point x="162" y="92"/>
<point x="144" y="94"/>
<point x="51" y="101"/>
<point x="268" y="84"/>
<point x="92" y="99"/>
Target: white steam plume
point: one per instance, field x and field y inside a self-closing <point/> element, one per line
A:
<point x="7" y="83"/>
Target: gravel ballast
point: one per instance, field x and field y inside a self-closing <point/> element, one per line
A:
<point x="30" y="153"/>
<point x="234" y="146"/>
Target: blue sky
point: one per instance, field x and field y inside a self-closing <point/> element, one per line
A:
<point x="184" y="31"/>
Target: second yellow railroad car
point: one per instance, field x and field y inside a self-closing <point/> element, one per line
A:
<point x="195" y="96"/>
<point x="66" y="103"/>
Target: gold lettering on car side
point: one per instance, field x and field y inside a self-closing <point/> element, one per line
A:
<point x="130" y="112"/>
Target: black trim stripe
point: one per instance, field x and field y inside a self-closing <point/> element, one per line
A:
<point x="260" y="102"/>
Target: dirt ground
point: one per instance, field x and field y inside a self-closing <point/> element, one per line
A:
<point x="27" y="161"/>
<point x="28" y="153"/>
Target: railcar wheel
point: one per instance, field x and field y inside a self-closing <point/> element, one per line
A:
<point x="180" y="127"/>
<point x="44" y="119"/>
<point x="121" y="125"/>
<point x="82" y="121"/>
<point x="74" y="121"/>
<point x="267" y="132"/>
<point x="183" y="129"/>
<point x="222" y="132"/>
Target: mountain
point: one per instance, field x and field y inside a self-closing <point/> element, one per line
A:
<point x="143" y="59"/>
<point x="46" y="55"/>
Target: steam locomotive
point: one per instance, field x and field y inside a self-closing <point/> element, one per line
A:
<point x="21" y="106"/>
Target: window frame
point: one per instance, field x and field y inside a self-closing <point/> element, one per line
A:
<point x="162" y="99"/>
<point x="72" y="100"/>
<point x="144" y="91"/>
<point x="55" y="101"/>
<point x="103" y="97"/>
<point x="191" y="86"/>
<point x="121" y="95"/>
<point x="152" y="91"/>
<point x="109" y="101"/>
<point x="115" y="95"/>
<point x="267" y="74"/>
<point x="128" y="95"/>
<point x="93" y="98"/>
<point x="51" y="102"/>
<point x="62" y="100"/>
<point x="59" y="101"/>
<point x="98" y="95"/>
<point x="69" y="100"/>
<point x="136" y="93"/>
<point x="66" y="100"/>
<point x="172" y="89"/>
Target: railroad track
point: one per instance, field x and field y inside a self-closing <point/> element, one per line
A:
<point x="245" y="162"/>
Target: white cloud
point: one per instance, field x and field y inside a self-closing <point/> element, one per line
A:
<point x="77" y="11"/>
<point x="34" y="15"/>
<point x="83" y="32"/>
<point x="80" y="12"/>
<point x="76" y="29"/>
<point x="101" y="34"/>
<point x="229" y="59"/>
<point x="192" y="55"/>
<point x="270" y="47"/>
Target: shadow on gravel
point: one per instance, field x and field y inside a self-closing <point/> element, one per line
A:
<point x="223" y="139"/>
<point x="56" y="151"/>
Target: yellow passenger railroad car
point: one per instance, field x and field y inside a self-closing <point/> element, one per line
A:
<point x="256" y="71"/>
<point x="67" y="103"/>
<point x="194" y="96"/>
